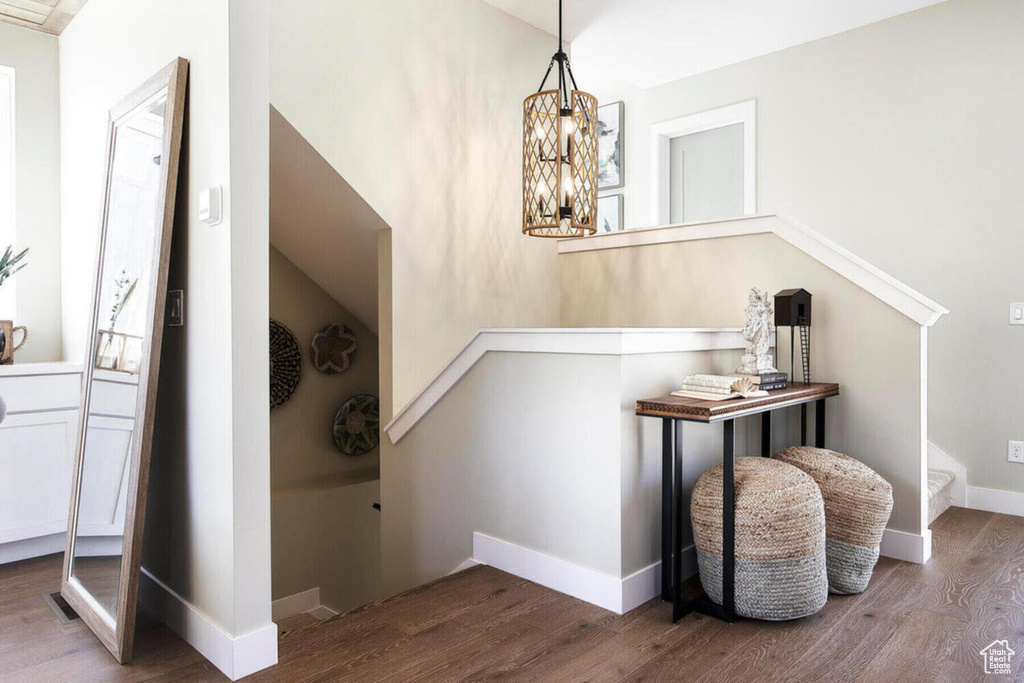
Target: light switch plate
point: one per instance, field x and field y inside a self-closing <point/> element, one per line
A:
<point x="1016" y="451"/>
<point x="210" y="206"/>
<point x="175" y="308"/>
<point x="1017" y="314"/>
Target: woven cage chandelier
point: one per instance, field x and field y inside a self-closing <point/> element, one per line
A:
<point x="560" y="155"/>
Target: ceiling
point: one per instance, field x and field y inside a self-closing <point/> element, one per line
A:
<point x="48" y="16"/>
<point x="650" y="42"/>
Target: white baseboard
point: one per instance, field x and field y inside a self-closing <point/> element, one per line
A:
<point x="15" y="551"/>
<point x="589" y="585"/>
<point x="623" y="595"/>
<point x="940" y="460"/>
<point x="235" y="656"/>
<point x="639" y="587"/>
<point x="468" y="563"/>
<point x="994" y="500"/>
<point x="900" y="545"/>
<point x="597" y="588"/>
<point x="88" y="546"/>
<point x="320" y="612"/>
<point x="291" y="605"/>
<point x="306" y="601"/>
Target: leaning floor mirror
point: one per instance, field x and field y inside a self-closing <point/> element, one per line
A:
<point x="119" y="381"/>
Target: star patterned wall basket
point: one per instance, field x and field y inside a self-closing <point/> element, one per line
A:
<point x="333" y="349"/>
<point x="357" y="425"/>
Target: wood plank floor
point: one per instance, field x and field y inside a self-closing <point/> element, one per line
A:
<point x="914" y="623"/>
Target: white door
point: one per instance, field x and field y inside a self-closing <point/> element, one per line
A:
<point x="706" y="175"/>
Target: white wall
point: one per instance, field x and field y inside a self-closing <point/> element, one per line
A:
<point x="321" y="224"/>
<point x="869" y="348"/>
<point x="37" y="188"/>
<point x="418" y="106"/>
<point x="303" y="454"/>
<point x="110" y="49"/>
<point x="329" y="539"/>
<point x="556" y="462"/>
<point x="901" y="141"/>
<point x="208" y="519"/>
<point x="522" y="476"/>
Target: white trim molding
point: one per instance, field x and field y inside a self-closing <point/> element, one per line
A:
<point x="308" y="602"/>
<point x="661" y="140"/>
<point x="900" y="545"/>
<point x="903" y="298"/>
<point x="235" y="656"/>
<point x="622" y="595"/>
<point x="23" y="549"/>
<point x="618" y="595"/>
<point x="291" y="605"/>
<point x="594" y="341"/>
<point x="9" y="190"/>
<point x="467" y="563"/>
<point x="994" y="500"/>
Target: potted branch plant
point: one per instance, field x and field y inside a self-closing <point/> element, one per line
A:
<point x="9" y="265"/>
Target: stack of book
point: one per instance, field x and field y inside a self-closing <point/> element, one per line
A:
<point x="768" y="381"/>
<point x="718" y="387"/>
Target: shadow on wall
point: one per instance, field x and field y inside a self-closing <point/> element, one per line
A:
<point x="325" y="531"/>
<point x="319" y="223"/>
<point x="166" y="545"/>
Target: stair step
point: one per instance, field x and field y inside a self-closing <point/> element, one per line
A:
<point x="940" y="494"/>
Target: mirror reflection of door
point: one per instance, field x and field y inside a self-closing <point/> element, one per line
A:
<point x="706" y="175"/>
<point x="133" y="231"/>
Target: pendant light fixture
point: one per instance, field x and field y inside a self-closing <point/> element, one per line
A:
<point x="560" y="155"/>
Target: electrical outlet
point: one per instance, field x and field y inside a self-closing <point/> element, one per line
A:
<point x="175" y="308"/>
<point x="1016" y="453"/>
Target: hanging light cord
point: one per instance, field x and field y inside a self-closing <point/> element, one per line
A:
<point x="563" y="67"/>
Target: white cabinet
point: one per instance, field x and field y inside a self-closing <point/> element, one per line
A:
<point x="35" y="473"/>
<point x="37" y="441"/>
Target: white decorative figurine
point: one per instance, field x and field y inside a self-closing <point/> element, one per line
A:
<point x="758" y="332"/>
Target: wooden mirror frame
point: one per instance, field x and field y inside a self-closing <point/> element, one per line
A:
<point x="118" y="635"/>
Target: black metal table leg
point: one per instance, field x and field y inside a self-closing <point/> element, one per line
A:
<point x="819" y="423"/>
<point x="729" y="522"/>
<point x="803" y="424"/>
<point x="677" y="525"/>
<point x="766" y="434"/>
<point x="666" y="509"/>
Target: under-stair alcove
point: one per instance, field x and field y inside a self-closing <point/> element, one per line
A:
<point x="325" y="514"/>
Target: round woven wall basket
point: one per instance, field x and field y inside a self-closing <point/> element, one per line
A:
<point x="858" y="502"/>
<point x="779" y="540"/>
<point x="285" y="364"/>
<point x="357" y="425"/>
<point x="333" y="349"/>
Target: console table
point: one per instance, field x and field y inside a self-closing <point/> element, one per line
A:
<point x="673" y="411"/>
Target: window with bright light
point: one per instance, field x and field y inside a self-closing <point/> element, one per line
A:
<point x="7" y="299"/>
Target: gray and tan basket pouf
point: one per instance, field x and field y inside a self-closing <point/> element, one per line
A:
<point x="779" y="540"/>
<point x="857" y="507"/>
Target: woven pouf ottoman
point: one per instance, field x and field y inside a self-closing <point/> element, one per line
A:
<point x="779" y="540"/>
<point x="857" y="506"/>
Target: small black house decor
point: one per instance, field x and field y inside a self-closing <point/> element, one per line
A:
<point x="793" y="310"/>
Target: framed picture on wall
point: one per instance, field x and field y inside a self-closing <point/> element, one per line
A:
<point x="609" y="146"/>
<point x="609" y="213"/>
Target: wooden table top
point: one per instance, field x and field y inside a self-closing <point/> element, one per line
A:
<point x="695" y="410"/>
